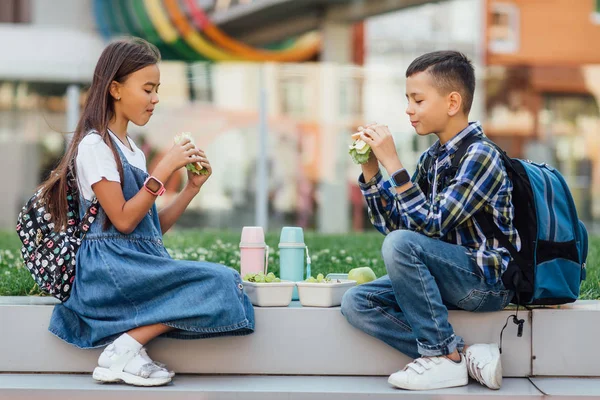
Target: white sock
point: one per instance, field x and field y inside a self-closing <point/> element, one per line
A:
<point x="125" y="340"/>
<point x="121" y="345"/>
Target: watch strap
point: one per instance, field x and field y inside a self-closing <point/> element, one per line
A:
<point x="401" y="171"/>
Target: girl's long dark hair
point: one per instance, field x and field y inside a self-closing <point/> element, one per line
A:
<point x="118" y="60"/>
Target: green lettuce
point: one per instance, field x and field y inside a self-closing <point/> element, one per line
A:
<point x="360" y="151"/>
<point x="195" y="168"/>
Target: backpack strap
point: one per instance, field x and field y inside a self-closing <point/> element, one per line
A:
<point x="88" y="219"/>
<point x="449" y="172"/>
<point x="491" y="230"/>
<point x="90" y="215"/>
<point x="485" y="220"/>
<point x="423" y="182"/>
<point x="460" y="153"/>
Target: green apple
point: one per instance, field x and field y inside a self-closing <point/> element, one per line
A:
<point x="362" y="275"/>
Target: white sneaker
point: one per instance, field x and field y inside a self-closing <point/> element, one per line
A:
<point x="428" y="373"/>
<point x="484" y="364"/>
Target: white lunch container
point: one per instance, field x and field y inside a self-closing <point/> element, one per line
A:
<point x="275" y="294"/>
<point x="323" y="294"/>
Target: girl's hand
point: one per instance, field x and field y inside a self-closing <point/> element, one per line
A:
<point x="196" y="181"/>
<point x="180" y="154"/>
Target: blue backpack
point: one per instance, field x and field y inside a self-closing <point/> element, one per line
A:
<point x="550" y="266"/>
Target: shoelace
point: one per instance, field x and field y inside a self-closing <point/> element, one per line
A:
<point x="474" y="369"/>
<point x="420" y="365"/>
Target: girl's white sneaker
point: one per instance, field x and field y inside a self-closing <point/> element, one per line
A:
<point x="126" y="365"/>
<point x="145" y="356"/>
<point x="429" y="373"/>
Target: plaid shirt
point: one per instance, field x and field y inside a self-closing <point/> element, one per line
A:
<point x="481" y="182"/>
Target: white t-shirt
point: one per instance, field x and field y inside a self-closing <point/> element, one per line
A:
<point x="95" y="160"/>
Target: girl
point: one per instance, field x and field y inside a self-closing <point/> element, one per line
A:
<point x="127" y="290"/>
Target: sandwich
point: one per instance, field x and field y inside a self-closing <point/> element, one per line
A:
<point x="194" y="167"/>
<point x="360" y="151"/>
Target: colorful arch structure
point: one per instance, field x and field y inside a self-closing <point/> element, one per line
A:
<point x="186" y="33"/>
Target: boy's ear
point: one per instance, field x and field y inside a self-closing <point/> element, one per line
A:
<point x="115" y="90"/>
<point x="454" y="103"/>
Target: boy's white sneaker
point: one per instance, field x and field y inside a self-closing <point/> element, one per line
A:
<point x="484" y="364"/>
<point x="429" y="373"/>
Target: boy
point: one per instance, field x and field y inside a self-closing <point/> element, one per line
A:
<point x="435" y="253"/>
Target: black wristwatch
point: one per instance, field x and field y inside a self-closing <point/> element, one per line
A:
<point x="399" y="178"/>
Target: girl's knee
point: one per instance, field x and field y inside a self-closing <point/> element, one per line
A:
<point x="225" y="274"/>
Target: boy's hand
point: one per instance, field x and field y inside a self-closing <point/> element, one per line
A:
<point x="371" y="167"/>
<point x="382" y="144"/>
<point x="361" y="129"/>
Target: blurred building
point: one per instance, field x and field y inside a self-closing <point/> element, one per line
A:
<point x="49" y="49"/>
<point x="543" y="88"/>
<point x="537" y="85"/>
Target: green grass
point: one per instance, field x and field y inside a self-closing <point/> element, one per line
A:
<point x="329" y="253"/>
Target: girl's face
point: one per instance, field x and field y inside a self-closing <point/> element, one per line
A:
<point x="136" y="98"/>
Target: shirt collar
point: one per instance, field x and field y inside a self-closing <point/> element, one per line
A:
<point x="450" y="147"/>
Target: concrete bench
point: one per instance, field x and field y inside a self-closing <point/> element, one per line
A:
<point x="307" y="353"/>
<point x="295" y="340"/>
<point x="291" y="340"/>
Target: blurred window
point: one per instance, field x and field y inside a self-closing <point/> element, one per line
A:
<point x="504" y="28"/>
<point x="15" y="11"/>
<point x="293" y="96"/>
<point x="201" y="79"/>
<point x="351" y="97"/>
<point x="33" y="96"/>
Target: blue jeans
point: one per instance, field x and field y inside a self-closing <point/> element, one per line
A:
<point x="408" y="308"/>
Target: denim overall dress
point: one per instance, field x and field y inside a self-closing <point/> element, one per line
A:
<point x="127" y="281"/>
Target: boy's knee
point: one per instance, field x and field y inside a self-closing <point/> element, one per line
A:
<point x="398" y="241"/>
<point x="351" y="303"/>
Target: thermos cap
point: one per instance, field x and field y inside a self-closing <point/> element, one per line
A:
<point x="252" y="236"/>
<point x="291" y="236"/>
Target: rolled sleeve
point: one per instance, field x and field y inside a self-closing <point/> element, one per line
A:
<point x="383" y="217"/>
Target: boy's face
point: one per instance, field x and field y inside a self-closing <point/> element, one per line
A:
<point x="427" y="108"/>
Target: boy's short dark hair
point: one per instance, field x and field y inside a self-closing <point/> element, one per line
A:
<point x="451" y="71"/>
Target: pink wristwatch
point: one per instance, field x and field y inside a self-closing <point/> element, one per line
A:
<point x="154" y="186"/>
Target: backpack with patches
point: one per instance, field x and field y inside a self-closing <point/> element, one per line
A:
<point x="550" y="266"/>
<point x="49" y="255"/>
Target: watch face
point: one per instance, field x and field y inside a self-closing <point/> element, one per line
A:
<point x="153" y="185"/>
<point x="401" y="177"/>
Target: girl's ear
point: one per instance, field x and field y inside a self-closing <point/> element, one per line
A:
<point x="115" y="90"/>
<point x="454" y="103"/>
